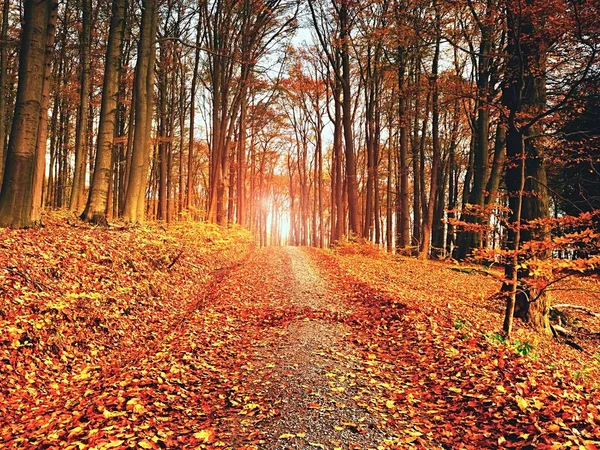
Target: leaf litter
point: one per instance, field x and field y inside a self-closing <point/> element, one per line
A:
<point x="109" y="343"/>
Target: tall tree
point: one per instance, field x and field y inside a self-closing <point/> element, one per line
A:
<point x="134" y="210"/>
<point x="17" y="194"/>
<point x="81" y="131"/>
<point x="435" y="130"/>
<point x="3" y="84"/>
<point x="97" y="202"/>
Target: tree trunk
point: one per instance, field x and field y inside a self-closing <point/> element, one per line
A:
<point x="347" y="120"/>
<point x="77" y="192"/>
<point x="417" y="174"/>
<point x="523" y="94"/>
<point x="472" y="239"/>
<point x="144" y="83"/>
<point x="39" y="172"/>
<point x="497" y="165"/>
<point x="97" y="203"/>
<point x="340" y="217"/>
<point x="435" y="158"/>
<point x="404" y="218"/>
<point x="190" y="161"/>
<point x="3" y="76"/>
<point x="16" y="196"/>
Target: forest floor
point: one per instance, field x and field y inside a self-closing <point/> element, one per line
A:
<point x="190" y="338"/>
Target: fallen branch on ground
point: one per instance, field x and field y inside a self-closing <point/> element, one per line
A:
<point x="578" y="307"/>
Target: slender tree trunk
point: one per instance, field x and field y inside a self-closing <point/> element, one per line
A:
<point x="48" y="193"/>
<point x="3" y="76"/>
<point x="337" y="150"/>
<point x="97" y="203"/>
<point x="319" y="150"/>
<point x="351" y="182"/>
<point x="435" y="158"/>
<point x="77" y="193"/>
<point x="416" y="163"/>
<point x="39" y="172"/>
<point x="437" y="231"/>
<point x="403" y="220"/>
<point x="389" y="212"/>
<point x="144" y="83"/>
<point x="497" y="165"/>
<point x="472" y="239"/>
<point x="190" y="165"/>
<point x="182" y="102"/>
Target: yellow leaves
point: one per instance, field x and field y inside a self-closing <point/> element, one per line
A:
<point x="500" y="389"/>
<point x="287" y="436"/>
<point x="85" y="373"/>
<point x="135" y="406"/>
<point x="205" y="436"/>
<point x="537" y="404"/>
<point x="390" y="404"/>
<point x="145" y="444"/>
<point x="554" y="428"/>
<point x="521" y="402"/>
<point x="414" y="433"/>
<point x="524" y="404"/>
<point x="452" y="352"/>
<point x="75" y="431"/>
<point x="249" y="408"/>
<point x="316" y="444"/>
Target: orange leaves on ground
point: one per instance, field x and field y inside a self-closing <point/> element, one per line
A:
<point x="431" y="360"/>
<point x="90" y="313"/>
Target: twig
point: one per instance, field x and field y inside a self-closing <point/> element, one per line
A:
<point x="175" y="260"/>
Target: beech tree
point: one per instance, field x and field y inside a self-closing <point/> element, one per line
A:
<point x="134" y="208"/>
<point x="97" y="202"/>
<point x="18" y="195"/>
<point x="532" y="32"/>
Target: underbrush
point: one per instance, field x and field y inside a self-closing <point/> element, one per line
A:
<point x="357" y="246"/>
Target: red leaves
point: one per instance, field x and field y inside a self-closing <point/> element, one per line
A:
<point x="121" y="348"/>
<point x="88" y="312"/>
<point x="445" y="376"/>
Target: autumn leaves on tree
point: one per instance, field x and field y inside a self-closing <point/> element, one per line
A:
<point x="432" y="128"/>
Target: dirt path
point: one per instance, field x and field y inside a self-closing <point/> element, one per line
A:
<point x="304" y="369"/>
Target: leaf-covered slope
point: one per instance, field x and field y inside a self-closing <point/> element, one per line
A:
<point x="81" y="306"/>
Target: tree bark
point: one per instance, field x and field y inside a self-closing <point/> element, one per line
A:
<point x="77" y="192"/>
<point x="403" y="216"/>
<point x="524" y="95"/>
<point x="473" y="239"/>
<point x="39" y="172"/>
<point x="17" y="194"/>
<point x="97" y="203"/>
<point x="3" y="76"/>
<point x="144" y="84"/>
<point x="347" y="119"/>
<point x="435" y="158"/>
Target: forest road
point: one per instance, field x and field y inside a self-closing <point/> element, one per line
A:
<point x="300" y="362"/>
